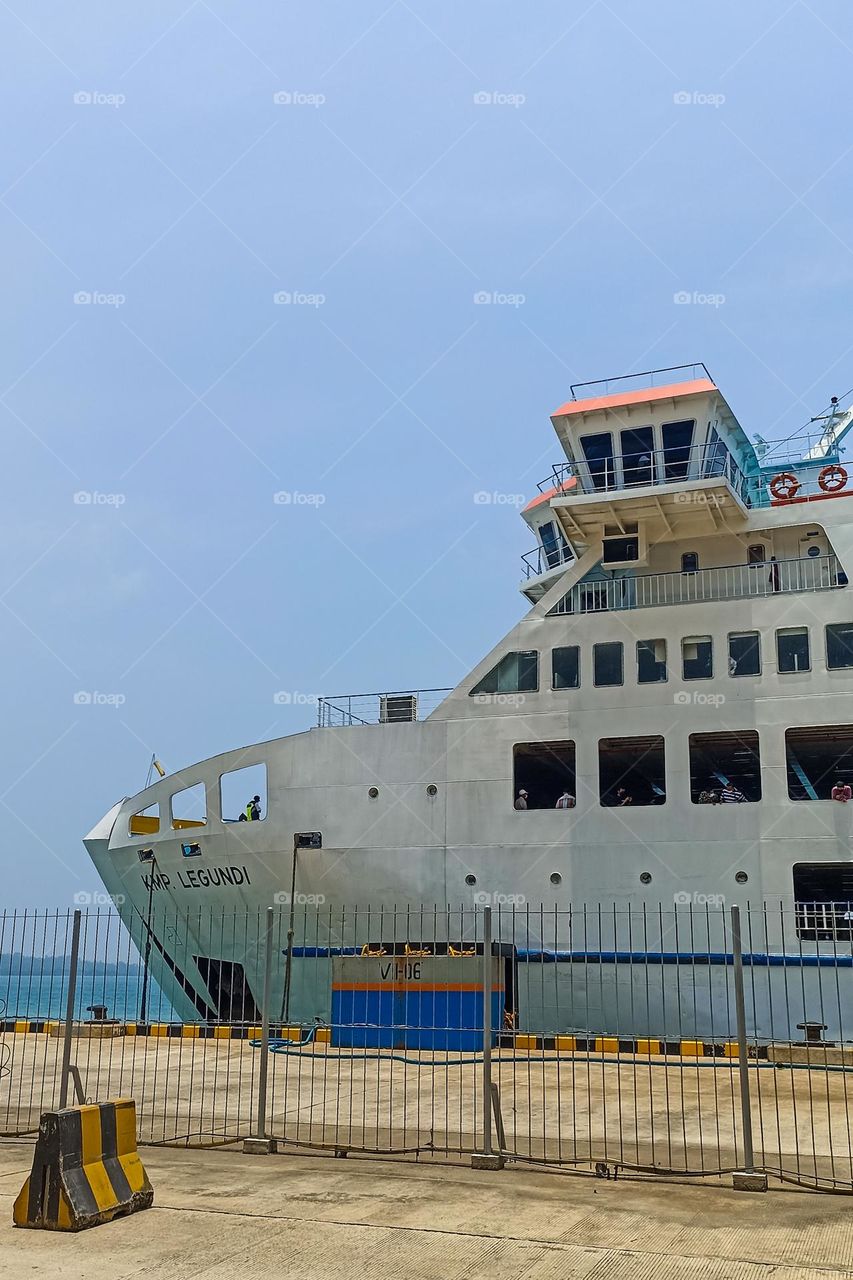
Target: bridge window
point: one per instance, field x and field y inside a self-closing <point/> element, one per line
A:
<point x="515" y="673"/>
<point x="237" y="791"/>
<point x="189" y="807"/>
<point x="823" y="901"/>
<point x="607" y="663"/>
<point x="598" y="451"/>
<point x="792" y="649"/>
<point x="565" y="667"/>
<point x="697" y="657"/>
<point x="553" y="544"/>
<point x="545" y="770"/>
<point x="817" y="758"/>
<point x="839" y="645"/>
<point x="744" y="653"/>
<point x="638" y="447"/>
<point x="677" y="439"/>
<point x="651" y="661"/>
<point x="727" y="761"/>
<point x="146" y="822"/>
<point x="631" y="771"/>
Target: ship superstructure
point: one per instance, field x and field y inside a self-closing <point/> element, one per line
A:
<point x="666" y="723"/>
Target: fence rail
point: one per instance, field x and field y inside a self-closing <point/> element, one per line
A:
<point x="687" y="1039"/>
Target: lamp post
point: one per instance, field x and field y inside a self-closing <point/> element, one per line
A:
<point x="301" y="840"/>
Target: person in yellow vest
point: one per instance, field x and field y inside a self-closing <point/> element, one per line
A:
<point x="253" y="809"/>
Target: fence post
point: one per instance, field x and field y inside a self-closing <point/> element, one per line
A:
<point x="69" y="1010"/>
<point x="260" y="1144"/>
<point x="749" y="1179"/>
<point x="487" y="1159"/>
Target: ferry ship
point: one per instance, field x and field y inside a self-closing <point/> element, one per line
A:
<point x="667" y="724"/>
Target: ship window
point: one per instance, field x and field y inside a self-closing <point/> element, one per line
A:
<point x="744" y="653"/>
<point x="839" y="645"/>
<point x="544" y="770"/>
<point x="515" y="673"/>
<point x="189" y="807"/>
<point x="651" y="661"/>
<point x="755" y="554"/>
<point x="631" y="771"/>
<point x="620" y="550"/>
<point x="817" y="758"/>
<point x="677" y="439"/>
<point x="598" y="451"/>
<point x="719" y="760"/>
<point x="792" y="649"/>
<point x="237" y="791"/>
<point x="823" y="901"/>
<point x="637" y="455"/>
<point x="697" y="657"/>
<point x="146" y="822"/>
<point x="690" y="562"/>
<point x="607" y="663"/>
<point x="553" y="544"/>
<point x="566" y="667"/>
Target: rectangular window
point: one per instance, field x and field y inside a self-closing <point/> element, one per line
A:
<point x="545" y="772"/>
<point x="697" y="658"/>
<point x="651" y="661"/>
<point x="839" y="645"/>
<point x="725" y="768"/>
<point x="819" y="758"/>
<point x="553" y="544"/>
<point x="243" y="794"/>
<point x="755" y="554"/>
<point x="598" y="451"/>
<point x="744" y="653"/>
<point x="515" y="673"/>
<point x="677" y="439"/>
<point x="631" y="772"/>
<point x="620" y="550"/>
<point x="637" y="455"/>
<point x="189" y="807"/>
<point x="607" y="663"/>
<point x="823" y="901"/>
<point x="792" y="649"/>
<point x="146" y="822"/>
<point x="566" y="667"/>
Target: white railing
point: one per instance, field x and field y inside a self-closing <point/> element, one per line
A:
<point x="378" y="708"/>
<point x="541" y="560"/>
<point x="824" y="921"/>
<point x="642" y="469"/>
<point x="728" y="582"/>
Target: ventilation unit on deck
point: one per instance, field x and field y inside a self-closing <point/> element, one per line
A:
<point x="397" y="707"/>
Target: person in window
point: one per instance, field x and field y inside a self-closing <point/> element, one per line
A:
<point x="774" y="579"/>
<point x="731" y="795"/>
<point x="623" y="797"/>
<point x="566" y="800"/>
<point x="841" y="792"/>
<point x="253" y="809"/>
<point x="521" y="799"/>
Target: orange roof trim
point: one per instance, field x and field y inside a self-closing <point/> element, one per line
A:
<point x="673" y="391"/>
<point x="549" y="493"/>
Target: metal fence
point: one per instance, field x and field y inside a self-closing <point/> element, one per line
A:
<point x="687" y="1040"/>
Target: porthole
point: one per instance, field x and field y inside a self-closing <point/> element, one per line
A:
<point x="432" y="789"/>
<point x="470" y="879"/>
<point x="741" y="877"/>
<point x="556" y="878"/>
<point x="373" y="792"/>
<point x="645" y="877"/>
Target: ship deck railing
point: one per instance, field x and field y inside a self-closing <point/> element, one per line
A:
<point x="646" y="468"/>
<point x="725" y="582"/>
<point x="398" y="707"/>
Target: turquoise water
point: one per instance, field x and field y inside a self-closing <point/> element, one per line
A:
<point x="40" y="990"/>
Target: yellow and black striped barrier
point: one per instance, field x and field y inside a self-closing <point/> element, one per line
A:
<point x="163" y="1030"/>
<point x="86" y="1169"/>
<point x="615" y="1045"/>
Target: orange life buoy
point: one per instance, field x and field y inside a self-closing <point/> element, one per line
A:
<point x="832" y="478"/>
<point x="785" y="485"/>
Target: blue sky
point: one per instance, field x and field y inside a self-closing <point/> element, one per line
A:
<point x="181" y="165"/>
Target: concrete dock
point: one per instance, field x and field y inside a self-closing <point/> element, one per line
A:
<point x="220" y="1215"/>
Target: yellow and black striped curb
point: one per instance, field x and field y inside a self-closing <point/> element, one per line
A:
<point x="167" y="1030"/>
<point x="86" y="1169"/>
<point x="639" y="1047"/>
